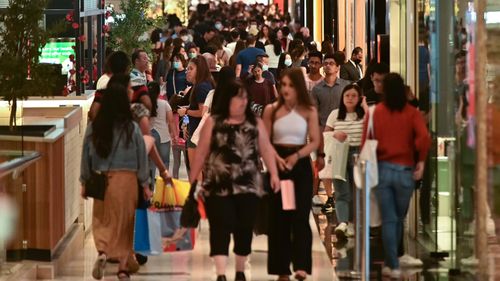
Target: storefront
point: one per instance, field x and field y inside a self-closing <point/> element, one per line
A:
<point x="435" y="46"/>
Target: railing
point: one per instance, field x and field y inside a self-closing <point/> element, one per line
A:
<point x="17" y="162"/>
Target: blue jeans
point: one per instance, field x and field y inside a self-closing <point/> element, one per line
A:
<point x="343" y="190"/>
<point x="163" y="150"/>
<point x="394" y="191"/>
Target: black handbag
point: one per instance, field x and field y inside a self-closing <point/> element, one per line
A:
<point x="96" y="185"/>
<point x="190" y="216"/>
<point x="261" y="225"/>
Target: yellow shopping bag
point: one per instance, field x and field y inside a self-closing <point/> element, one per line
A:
<point x="170" y="197"/>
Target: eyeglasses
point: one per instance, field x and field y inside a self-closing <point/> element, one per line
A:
<point x="331" y="63"/>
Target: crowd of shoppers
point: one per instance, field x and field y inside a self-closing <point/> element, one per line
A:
<point x="204" y="93"/>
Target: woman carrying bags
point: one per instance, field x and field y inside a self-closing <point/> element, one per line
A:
<point x="346" y="123"/>
<point x="291" y="121"/>
<point x="231" y="141"/>
<point x="401" y="133"/>
<point x="114" y="145"/>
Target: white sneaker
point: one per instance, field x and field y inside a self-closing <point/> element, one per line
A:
<point x="317" y="200"/>
<point x="395" y="274"/>
<point x="341" y="231"/>
<point x="409" y="261"/>
<point x="386" y="271"/>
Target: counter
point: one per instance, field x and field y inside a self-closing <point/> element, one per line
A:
<point x="47" y="191"/>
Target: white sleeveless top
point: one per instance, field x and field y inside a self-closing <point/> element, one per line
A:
<point x="290" y="129"/>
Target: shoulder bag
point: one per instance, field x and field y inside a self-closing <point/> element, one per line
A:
<point x="369" y="154"/>
<point x="96" y="185"/>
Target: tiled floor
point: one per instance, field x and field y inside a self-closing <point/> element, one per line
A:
<point x="196" y="265"/>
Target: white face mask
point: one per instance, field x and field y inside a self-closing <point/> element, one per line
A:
<point x="265" y="67"/>
<point x="184" y="38"/>
<point x="288" y="62"/>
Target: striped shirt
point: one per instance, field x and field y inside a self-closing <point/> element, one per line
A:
<point x="351" y="126"/>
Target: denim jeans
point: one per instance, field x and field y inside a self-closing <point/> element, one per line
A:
<point x="393" y="193"/>
<point x="163" y="150"/>
<point x="343" y="190"/>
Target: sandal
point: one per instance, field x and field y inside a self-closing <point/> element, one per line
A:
<point x="123" y="275"/>
<point x="99" y="266"/>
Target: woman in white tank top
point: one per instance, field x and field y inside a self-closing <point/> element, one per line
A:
<point x="291" y="121"/>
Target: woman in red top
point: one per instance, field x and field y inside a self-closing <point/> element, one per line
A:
<point x="401" y="133"/>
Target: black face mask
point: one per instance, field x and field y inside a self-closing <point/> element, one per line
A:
<point x="356" y="61"/>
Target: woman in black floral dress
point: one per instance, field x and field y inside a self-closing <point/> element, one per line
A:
<point x="230" y="144"/>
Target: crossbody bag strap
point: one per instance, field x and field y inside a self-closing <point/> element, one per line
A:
<point x="114" y="149"/>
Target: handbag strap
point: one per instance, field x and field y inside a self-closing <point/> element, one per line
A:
<point x="112" y="154"/>
<point x="114" y="149"/>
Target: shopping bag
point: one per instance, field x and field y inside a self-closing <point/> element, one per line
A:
<point x="190" y="215"/>
<point x="369" y="154"/>
<point x="170" y="196"/>
<point x="287" y="195"/>
<point x="147" y="232"/>
<point x="340" y="154"/>
<point x="170" y="223"/>
<point x="329" y="147"/>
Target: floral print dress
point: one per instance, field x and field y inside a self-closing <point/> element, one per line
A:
<point x="232" y="166"/>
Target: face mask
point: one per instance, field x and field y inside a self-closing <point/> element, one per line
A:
<point x="288" y="62"/>
<point x="192" y="55"/>
<point x="218" y="26"/>
<point x="177" y="65"/>
<point x="184" y="38"/>
<point x="265" y="67"/>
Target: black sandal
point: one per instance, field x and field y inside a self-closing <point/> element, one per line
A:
<point x="123" y="278"/>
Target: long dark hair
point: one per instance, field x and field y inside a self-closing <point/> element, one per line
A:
<point x="299" y="83"/>
<point x="154" y="93"/>
<point x="281" y="64"/>
<point x="114" y="112"/>
<point x="229" y="91"/>
<point x="273" y="39"/>
<point x="394" y="92"/>
<point x="226" y="74"/>
<point x="202" y="75"/>
<point x="360" y="112"/>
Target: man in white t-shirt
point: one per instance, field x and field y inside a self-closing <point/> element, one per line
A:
<point x="314" y="76"/>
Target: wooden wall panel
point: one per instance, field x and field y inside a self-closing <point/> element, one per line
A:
<point x="43" y="203"/>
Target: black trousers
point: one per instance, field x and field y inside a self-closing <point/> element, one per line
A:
<point x="290" y="235"/>
<point x="231" y="214"/>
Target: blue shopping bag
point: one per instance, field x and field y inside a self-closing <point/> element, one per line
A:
<point x="147" y="233"/>
<point x="170" y="222"/>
